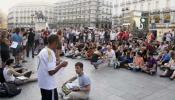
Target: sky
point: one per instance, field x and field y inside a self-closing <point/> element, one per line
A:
<point x="6" y="4"/>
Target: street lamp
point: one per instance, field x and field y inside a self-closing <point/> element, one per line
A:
<point x="32" y="16"/>
<point x="89" y="13"/>
<point x="16" y="22"/>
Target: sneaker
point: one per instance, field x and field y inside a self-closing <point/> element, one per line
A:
<point x="28" y="74"/>
<point x="18" y="66"/>
<point x="96" y="67"/>
<point x="162" y="75"/>
<point x="24" y="61"/>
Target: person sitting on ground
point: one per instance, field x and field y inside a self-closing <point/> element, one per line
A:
<point x="82" y="91"/>
<point x="151" y="65"/>
<point x="138" y="62"/>
<point x="89" y="53"/>
<point x="127" y="59"/>
<point x="170" y="69"/>
<point x="12" y="75"/>
<point x="70" y="53"/>
<point x="165" y="58"/>
<point x="96" y="57"/>
<point x="111" y="57"/>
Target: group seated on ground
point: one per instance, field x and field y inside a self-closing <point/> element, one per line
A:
<point x="135" y="54"/>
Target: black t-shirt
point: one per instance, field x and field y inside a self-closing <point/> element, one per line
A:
<point x="31" y="37"/>
<point x="94" y="58"/>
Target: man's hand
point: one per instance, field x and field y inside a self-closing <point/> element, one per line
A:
<point x="67" y="82"/>
<point x="63" y="64"/>
<point x="76" y="89"/>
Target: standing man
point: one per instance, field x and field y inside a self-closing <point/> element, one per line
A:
<point x="24" y="43"/>
<point x="45" y="36"/>
<point x="16" y="37"/>
<point x="47" y="69"/>
<point x="30" y="42"/>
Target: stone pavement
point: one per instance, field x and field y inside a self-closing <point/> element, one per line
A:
<point x="108" y="84"/>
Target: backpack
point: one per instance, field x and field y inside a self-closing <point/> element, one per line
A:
<point x="2" y="80"/>
<point x="9" y="90"/>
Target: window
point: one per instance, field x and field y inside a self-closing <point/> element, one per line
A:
<point x="157" y="5"/>
<point x="149" y="5"/>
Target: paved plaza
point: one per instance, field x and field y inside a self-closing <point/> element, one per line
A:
<point x="108" y="84"/>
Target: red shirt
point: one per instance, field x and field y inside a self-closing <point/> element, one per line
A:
<point x="46" y="33"/>
<point x="125" y="36"/>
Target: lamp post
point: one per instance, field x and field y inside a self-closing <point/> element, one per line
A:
<point x="16" y="22"/>
<point x="32" y="22"/>
<point x="89" y="13"/>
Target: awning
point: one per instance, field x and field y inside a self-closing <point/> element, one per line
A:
<point x="126" y="24"/>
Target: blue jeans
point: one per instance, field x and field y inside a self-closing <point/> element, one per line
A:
<point x="97" y="63"/>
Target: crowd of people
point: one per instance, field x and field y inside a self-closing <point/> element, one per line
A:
<point x="12" y="70"/>
<point x="114" y="48"/>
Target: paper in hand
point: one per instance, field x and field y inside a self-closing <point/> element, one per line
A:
<point x="14" y="45"/>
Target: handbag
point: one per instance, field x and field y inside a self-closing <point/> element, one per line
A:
<point x="9" y="90"/>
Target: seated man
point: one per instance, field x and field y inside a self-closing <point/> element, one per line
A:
<point x="81" y="91"/>
<point x="70" y="53"/>
<point x="138" y="62"/>
<point x="126" y="59"/>
<point x="96" y="58"/>
<point x="165" y="58"/>
<point x="89" y="53"/>
<point x="151" y="65"/>
<point x="170" y="70"/>
<point x="12" y="76"/>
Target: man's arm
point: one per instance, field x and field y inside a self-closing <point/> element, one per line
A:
<point x="53" y="72"/>
<point x="15" y="73"/>
<point x="86" y="88"/>
<point x="71" y="80"/>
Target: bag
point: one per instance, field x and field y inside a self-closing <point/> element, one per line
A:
<point x="9" y="90"/>
<point x="2" y="80"/>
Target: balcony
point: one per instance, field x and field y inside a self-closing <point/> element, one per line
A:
<point x="128" y="2"/>
<point x="134" y="1"/>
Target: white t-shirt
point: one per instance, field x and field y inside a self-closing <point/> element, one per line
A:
<point x="47" y="62"/>
<point x="89" y="36"/>
<point x="168" y="37"/>
<point x="24" y="40"/>
<point x="111" y="54"/>
<point x="8" y="78"/>
<point x="112" y="35"/>
<point x="102" y="35"/>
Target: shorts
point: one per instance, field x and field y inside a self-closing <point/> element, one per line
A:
<point x="97" y="63"/>
<point x="49" y="94"/>
<point x="16" y="51"/>
<point x="24" y="47"/>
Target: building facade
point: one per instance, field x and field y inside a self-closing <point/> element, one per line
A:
<point x="24" y="15"/>
<point x="84" y="13"/>
<point x="3" y="20"/>
<point x="161" y="13"/>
